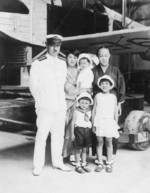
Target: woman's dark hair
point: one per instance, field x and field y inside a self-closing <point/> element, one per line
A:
<point x="72" y="51"/>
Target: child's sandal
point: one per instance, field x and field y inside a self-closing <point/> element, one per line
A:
<point x="99" y="167"/>
<point x="109" y="168"/>
<point x="86" y="169"/>
<point x="79" y="170"/>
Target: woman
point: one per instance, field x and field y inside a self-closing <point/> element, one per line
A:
<point x="71" y="94"/>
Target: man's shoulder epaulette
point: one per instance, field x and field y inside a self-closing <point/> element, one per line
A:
<point x="42" y="58"/>
<point x="62" y="58"/>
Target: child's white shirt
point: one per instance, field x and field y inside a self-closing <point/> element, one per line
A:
<point x="85" y="79"/>
<point x="80" y="121"/>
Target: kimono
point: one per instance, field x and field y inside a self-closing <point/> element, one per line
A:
<point x="119" y="83"/>
<point x="71" y="92"/>
<point x="71" y="84"/>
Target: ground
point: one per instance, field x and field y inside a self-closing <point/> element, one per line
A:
<point x="131" y="172"/>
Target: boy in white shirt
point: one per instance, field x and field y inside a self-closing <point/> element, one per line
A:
<point x="81" y="130"/>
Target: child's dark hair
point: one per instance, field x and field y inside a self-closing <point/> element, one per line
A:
<point x="103" y="80"/>
<point x="84" y="59"/>
<point x="85" y="98"/>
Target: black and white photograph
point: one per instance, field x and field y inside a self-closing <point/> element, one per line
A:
<point x="74" y="96"/>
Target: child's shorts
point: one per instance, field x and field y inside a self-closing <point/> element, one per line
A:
<point x="83" y="137"/>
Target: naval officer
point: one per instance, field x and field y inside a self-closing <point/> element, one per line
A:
<point x="47" y="79"/>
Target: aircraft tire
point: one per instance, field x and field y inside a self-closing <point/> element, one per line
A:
<point x="136" y="122"/>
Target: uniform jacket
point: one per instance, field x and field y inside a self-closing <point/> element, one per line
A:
<point x="47" y="79"/>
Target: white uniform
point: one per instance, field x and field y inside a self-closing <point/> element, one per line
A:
<point x="47" y="79"/>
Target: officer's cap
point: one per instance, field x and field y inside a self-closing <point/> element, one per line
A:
<point x="53" y="39"/>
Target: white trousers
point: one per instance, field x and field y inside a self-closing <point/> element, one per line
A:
<point x="53" y="122"/>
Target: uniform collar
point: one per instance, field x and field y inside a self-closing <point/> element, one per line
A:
<point x="51" y="57"/>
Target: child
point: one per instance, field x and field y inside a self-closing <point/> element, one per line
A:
<point x="85" y="78"/>
<point x="104" y="117"/>
<point x="81" y="130"/>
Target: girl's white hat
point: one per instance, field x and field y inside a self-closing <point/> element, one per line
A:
<point x="105" y="77"/>
<point x="85" y="94"/>
<point x="84" y="55"/>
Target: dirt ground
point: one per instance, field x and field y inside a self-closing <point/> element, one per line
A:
<point x="131" y="172"/>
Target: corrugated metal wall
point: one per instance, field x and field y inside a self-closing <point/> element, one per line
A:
<point x="15" y="55"/>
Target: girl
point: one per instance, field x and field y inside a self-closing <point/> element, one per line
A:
<point x="106" y="67"/>
<point x="71" y="94"/>
<point x="104" y="117"/>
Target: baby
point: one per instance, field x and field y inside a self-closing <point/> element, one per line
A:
<point x="85" y="77"/>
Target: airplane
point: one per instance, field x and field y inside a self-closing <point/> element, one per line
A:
<point x="13" y="6"/>
<point x="19" y="110"/>
<point x="135" y="40"/>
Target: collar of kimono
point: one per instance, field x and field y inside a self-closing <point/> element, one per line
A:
<point x="108" y="70"/>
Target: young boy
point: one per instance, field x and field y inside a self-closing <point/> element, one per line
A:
<point x="81" y="130"/>
<point x="85" y="77"/>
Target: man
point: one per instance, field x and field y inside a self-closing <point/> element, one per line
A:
<point x="47" y="79"/>
<point x="105" y="68"/>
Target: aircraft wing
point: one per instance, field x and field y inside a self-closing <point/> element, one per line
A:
<point x="13" y="6"/>
<point x="5" y="38"/>
<point x="135" y="40"/>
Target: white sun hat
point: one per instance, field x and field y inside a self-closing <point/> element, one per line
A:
<point x="85" y="94"/>
<point x="105" y="77"/>
<point x="84" y="55"/>
<point x="94" y="59"/>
